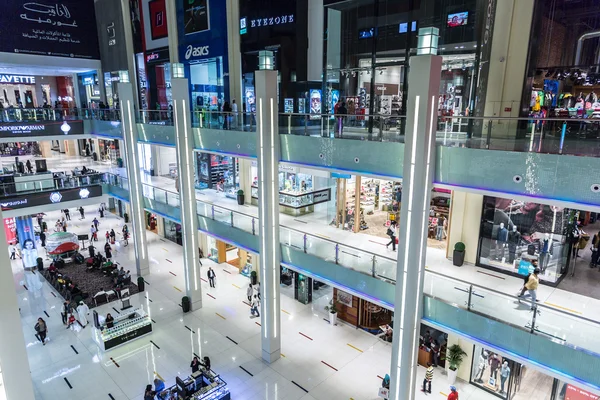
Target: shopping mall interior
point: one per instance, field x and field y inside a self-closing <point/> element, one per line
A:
<point x="300" y="200"/>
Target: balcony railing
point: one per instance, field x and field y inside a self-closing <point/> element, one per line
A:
<point x="555" y="324"/>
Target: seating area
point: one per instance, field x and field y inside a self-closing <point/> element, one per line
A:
<point x="96" y="281"/>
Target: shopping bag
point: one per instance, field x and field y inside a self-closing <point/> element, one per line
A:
<point x="396" y="240"/>
<point x="492" y="382"/>
<point x="384" y="393"/>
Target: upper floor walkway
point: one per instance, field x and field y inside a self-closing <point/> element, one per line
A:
<point x="456" y="298"/>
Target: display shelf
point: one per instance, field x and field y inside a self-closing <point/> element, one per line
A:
<point x="126" y="327"/>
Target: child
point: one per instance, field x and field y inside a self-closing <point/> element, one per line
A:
<point x="71" y="320"/>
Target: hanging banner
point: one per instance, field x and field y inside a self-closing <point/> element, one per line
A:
<point x="10" y="230"/>
<point x="26" y="236"/>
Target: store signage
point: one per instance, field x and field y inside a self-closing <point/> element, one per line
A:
<point x="50" y="128"/>
<point x="321" y="196"/>
<point x="152" y="56"/>
<point x="194" y="52"/>
<point x="270" y="21"/>
<point x="44" y="198"/>
<point x="574" y="393"/>
<point x="30" y="80"/>
<point x="88" y="80"/>
<point x="344" y="298"/>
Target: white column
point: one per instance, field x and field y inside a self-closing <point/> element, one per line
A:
<point x="418" y="174"/>
<point x="130" y="140"/>
<point x="187" y="192"/>
<point x="268" y="211"/>
<point x="13" y="356"/>
<point x="128" y="34"/>
<point x="315" y="40"/>
<point x="173" y="34"/>
<point x="233" y="49"/>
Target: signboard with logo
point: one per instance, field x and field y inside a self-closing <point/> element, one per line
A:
<point x="158" y="19"/>
<point x="574" y="393"/>
<point x="26" y="80"/>
<point x="46" y="128"/>
<point x="111" y="34"/>
<point x="44" y="198"/>
<point x="321" y="196"/>
<point x="52" y="28"/>
<point x="196" y="16"/>
<point x="247" y="23"/>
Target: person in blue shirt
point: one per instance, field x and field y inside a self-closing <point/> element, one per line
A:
<point x="159" y="386"/>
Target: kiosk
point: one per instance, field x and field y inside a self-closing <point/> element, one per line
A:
<point x="126" y="327"/>
<point x="201" y="385"/>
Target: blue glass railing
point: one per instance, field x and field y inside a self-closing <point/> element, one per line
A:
<point x="553" y="323"/>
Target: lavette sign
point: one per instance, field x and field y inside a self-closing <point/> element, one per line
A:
<point x="17" y="79"/>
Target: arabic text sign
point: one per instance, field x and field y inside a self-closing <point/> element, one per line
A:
<point x="55" y="28"/>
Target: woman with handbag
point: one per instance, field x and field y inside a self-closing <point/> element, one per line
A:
<point x="41" y="330"/>
<point x="391" y="232"/>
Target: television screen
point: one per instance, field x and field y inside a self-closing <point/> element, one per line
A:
<point x="404" y="27"/>
<point x="458" y="19"/>
<point x="366" y="33"/>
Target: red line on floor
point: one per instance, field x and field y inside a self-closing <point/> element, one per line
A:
<point x="114" y="362"/>
<point x="495" y="276"/>
<point x="204" y="279"/>
<point x="308" y="337"/>
<point x="224" y="270"/>
<point x="211" y="296"/>
<point x="258" y="323"/>
<point x="376" y="242"/>
<point x="169" y="261"/>
<point x="246" y="303"/>
<point x="172" y="273"/>
<point x="333" y="368"/>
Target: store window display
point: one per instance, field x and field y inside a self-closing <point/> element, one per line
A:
<point x="220" y="173"/>
<point x="518" y="236"/>
<point x="492" y="372"/>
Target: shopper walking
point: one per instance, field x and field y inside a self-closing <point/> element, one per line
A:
<point x="504" y="374"/>
<point x="254" y="307"/>
<point x="43" y="238"/>
<point x="64" y="312"/>
<point x="453" y="393"/>
<point x="107" y="251"/>
<point x="531" y="286"/>
<point x="82" y="212"/>
<point x="96" y="222"/>
<point x="67" y="214"/>
<point x="112" y="236"/>
<point x="107" y="235"/>
<point x="211" y="277"/>
<point x="200" y="255"/>
<point x="595" y="250"/>
<point x="439" y="235"/>
<point x="428" y="379"/>
<point x="13" y="252"/>
<point x="83" y="311"/>
<point x="41" y="330"/>
<point x="342" y="111"/>
<point x="249" y="292"/>
<point x="391" y="232"/>
<point x="94" y="233"/>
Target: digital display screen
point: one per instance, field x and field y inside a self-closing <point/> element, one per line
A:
<point x="458" y="19"/>
<point x="403" y="28"/>
<point x="367" y="33"/>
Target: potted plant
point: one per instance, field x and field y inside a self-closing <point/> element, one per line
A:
<point x="454" y="355"/>
<point x="119" y="162"/>
<point x="240" y="197"/>
<point x="458" y="256"/>
<point x="332" y="309"/>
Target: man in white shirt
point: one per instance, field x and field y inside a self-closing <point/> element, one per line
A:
<point x="234" y="109"/>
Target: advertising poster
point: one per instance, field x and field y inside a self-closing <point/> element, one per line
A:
<point x="288" y="105"/>
<point x="344" y="298"/>
<point x="574" y="393"/>
<point x="26" y="236"/>
<point x="195" y="16"/>
<point x="51" y="28"/>
<point x="458" y="19"/>
<point x="301" y="107"/>
<point x="10" y="229"/>
<point x="158" y="19"/>
<point x="315" y="103"/>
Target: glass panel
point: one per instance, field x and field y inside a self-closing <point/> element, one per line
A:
<point x="501" y="307"/>
<point x="148" y="191"/>
<point x="222" y="215"/>
<point x="173" y="199"/>
<point x="355" y="259"/>
<point x="446" y="289"/>
<point x="161" y="196"/>
<point x="321" y="248"/>
<point x="385" y="268"/>
<point x="243" y="222"/>
<point x="569" y="329"/>
<point x="292" y="238"/>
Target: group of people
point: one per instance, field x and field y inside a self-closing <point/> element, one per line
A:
<point x="68" y="314"/>
<point x="158" y="392"/>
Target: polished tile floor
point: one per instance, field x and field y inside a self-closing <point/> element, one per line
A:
<point x="71" y="366"/>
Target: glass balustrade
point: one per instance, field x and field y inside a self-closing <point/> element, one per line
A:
<point x="557" y="325"/>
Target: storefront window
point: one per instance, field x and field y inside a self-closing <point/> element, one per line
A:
<point x="220" y="173"/>
<point x="492" y="372"/>
<point x="206" y="79"/>
<point x="173" y="231"/>
<point x="518" y="236"/>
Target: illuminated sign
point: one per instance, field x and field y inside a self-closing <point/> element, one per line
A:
<point x="270" y="21"/>
<point x="152" y="56"/>
<point x="48" y="128"/>
<point x="17" y="79"/>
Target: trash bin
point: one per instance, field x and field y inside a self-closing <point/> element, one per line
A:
<point x="141" y="283"/>
<point x="185" y="304"/>
<point x="95" y="156"/>
<point x="40" y="264"/>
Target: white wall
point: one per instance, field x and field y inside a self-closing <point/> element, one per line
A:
<point x="465" y="221"/>
<point x="164" y="156"/>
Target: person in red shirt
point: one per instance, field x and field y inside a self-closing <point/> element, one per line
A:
<point x="453" y="393"/>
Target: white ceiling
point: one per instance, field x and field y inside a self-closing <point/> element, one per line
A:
<point x="25" y="64"/>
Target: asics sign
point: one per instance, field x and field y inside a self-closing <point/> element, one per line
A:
<point x="193" y="52"/>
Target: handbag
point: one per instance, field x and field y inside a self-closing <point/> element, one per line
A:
<point x="389" y="232"/>
<point x="384" y="393"/>
<point x="492" y="382"/>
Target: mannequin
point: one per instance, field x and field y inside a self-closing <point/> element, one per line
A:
<point x="545" y="249"/>
<point x="501" y="240"/>
<point x="481" y="366"/>
<point x="514" y="238"/>
<point x="504" y="374"/>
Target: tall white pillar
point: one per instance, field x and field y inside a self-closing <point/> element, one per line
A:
<point x="173" y="34"/>
<point x="128" y="36"/>
<point x="418" y="174"/>
<point x="130" y="140"/>
<point x="268" y="211"/>
<point x="13" y="356"/>
<point x="187" y="192"/>
<point x="234" y="54"/>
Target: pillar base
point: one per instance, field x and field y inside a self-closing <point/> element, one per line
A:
<point x="195" y="304"/>
<point x="271" y="357"/>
